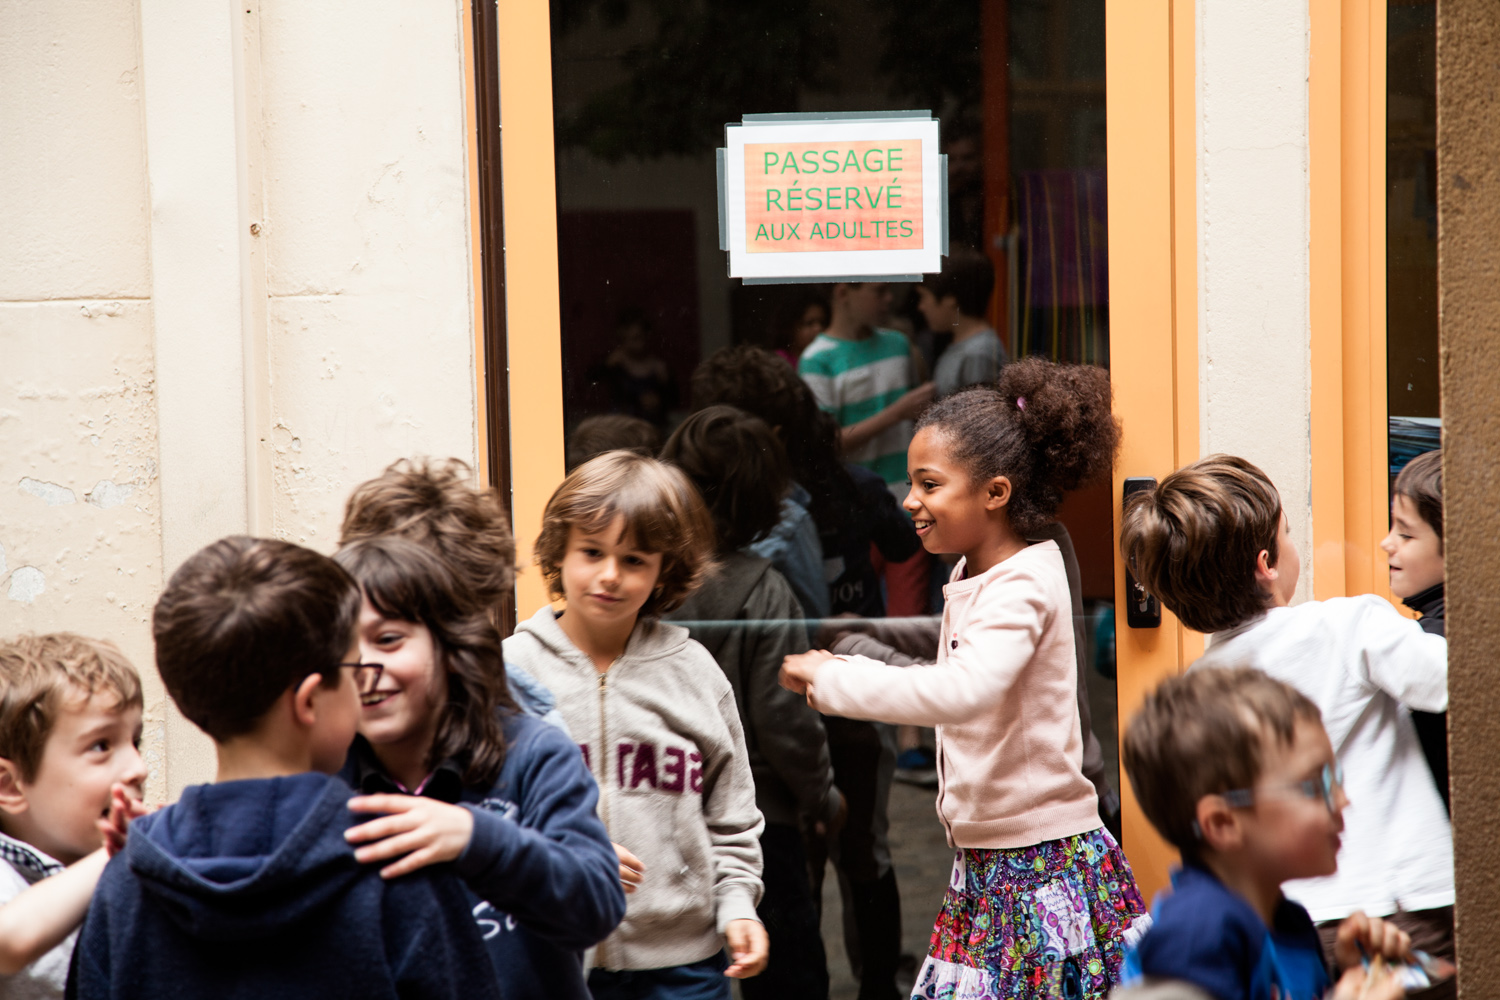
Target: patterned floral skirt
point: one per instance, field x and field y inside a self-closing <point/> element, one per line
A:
<point x="1051" y="920"/>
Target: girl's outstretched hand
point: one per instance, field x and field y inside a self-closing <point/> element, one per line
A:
<point x="749" y="947"/>
<point x="799" y="669"/>
<point x="115" y="825"/>
<point x="418" y="830"/>
<point x="632" y="870"/>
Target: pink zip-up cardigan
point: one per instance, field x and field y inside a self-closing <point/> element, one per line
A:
<point x="1003" y="697"/>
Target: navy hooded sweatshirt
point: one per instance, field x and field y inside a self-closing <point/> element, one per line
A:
<point x="542" y="876"/>
<point x="247" y="889"/>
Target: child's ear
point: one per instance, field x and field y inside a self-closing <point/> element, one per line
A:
<point x="12" y="796"/>
<point x="1218" y="824"/>
<point x="999" y="493"/>
<point x="1266" y="575"/>
<point x="304" y="707"/>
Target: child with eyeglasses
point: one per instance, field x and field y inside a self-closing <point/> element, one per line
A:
<point x="461" y="775"/>
<point x="1213" y="543"/>
<point x="247" y="887"/>
<point x="1236" y="771"/>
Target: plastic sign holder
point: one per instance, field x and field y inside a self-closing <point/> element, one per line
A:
<point x="852" y="196"/>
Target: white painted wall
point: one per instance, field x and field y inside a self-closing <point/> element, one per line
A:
<point x="369" y="317"/>
<point x="166" y="376"/>
<point x="1253" y="264"/>
<point x="80" y="524"/>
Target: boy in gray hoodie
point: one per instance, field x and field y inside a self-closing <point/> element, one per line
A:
<point x="749" y="619"/>
<point x="624" y="539"/>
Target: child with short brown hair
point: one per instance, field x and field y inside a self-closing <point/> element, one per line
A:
<point x="625" y="539"/>
<point x="1414" y="552"/>
<point x="1235" y="770"/>
<point x="70" y="728"/>
<point x="1212" y="542"/>
<point x="247" y="886"/>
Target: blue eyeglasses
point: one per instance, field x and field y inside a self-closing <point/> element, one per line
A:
<point x="1326" y="786"/>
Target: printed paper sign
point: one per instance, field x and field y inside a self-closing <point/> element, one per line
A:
<point x="840" y="198"/>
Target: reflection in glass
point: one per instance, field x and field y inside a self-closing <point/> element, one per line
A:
<point x="1411" y="230"/>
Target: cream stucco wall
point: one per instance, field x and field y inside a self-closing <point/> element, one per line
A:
<point x="237" y="283"/>
<point x="1253" y="264"/>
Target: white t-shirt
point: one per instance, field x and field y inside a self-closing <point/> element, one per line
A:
<point x="21" y="866"/>
<point x="1364" y="665"/>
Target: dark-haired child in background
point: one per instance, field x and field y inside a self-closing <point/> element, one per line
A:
<point x="799" y="315"/>
<point x="866" y="376"/>
<point x="955" y="301"/>
<point x="611" y="432"/>
<point x="855" y="514"/>
<point x="1414" y="550"/>
<point x="988" y="466"/>
<point x="639" y="380"/>
<point x="749" y="619"/>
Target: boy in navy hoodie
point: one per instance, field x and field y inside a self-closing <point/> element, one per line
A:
<point x="247" y="887"/>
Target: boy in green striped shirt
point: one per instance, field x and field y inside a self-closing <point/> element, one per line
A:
<point x="862" y="373"/>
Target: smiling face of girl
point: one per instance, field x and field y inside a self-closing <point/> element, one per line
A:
<point x="406" y="705"/>
<point x="952" y="511"/>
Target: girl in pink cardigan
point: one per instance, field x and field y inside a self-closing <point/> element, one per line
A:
<point x="1041" y="902"/>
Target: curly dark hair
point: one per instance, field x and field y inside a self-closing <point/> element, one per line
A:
<point x="406" y="581"/>
<point x="1046" y="427"/>
<point x="760" y="383"/>
<point x="739" y="467"/>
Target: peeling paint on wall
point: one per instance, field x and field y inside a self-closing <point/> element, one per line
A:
<point x="51" y="493"/>
<point x="26" y="584"/>
<point x="106" y="494"/>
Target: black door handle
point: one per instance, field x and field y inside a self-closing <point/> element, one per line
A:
<point x="1141" y="609"/>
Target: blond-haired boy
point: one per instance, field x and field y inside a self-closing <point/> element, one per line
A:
<point x="70" y="724"/>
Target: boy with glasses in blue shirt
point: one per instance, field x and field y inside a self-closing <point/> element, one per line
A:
<point x="1235" y="770"/>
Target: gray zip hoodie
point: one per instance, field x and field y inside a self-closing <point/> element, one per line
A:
<point x="661" y="732"/>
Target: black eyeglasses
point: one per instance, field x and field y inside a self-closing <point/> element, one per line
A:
<point x="366" y="675"/>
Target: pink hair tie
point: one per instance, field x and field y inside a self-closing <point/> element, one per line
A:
<point x="1020" y="402"/>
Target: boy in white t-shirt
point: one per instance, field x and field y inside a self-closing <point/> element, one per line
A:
<point x="1213" y="544"/>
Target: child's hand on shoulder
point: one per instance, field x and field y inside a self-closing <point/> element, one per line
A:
<point x="799" y="669"/>
<point x="749" y="947"/>
<point x="420" y="831"/>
